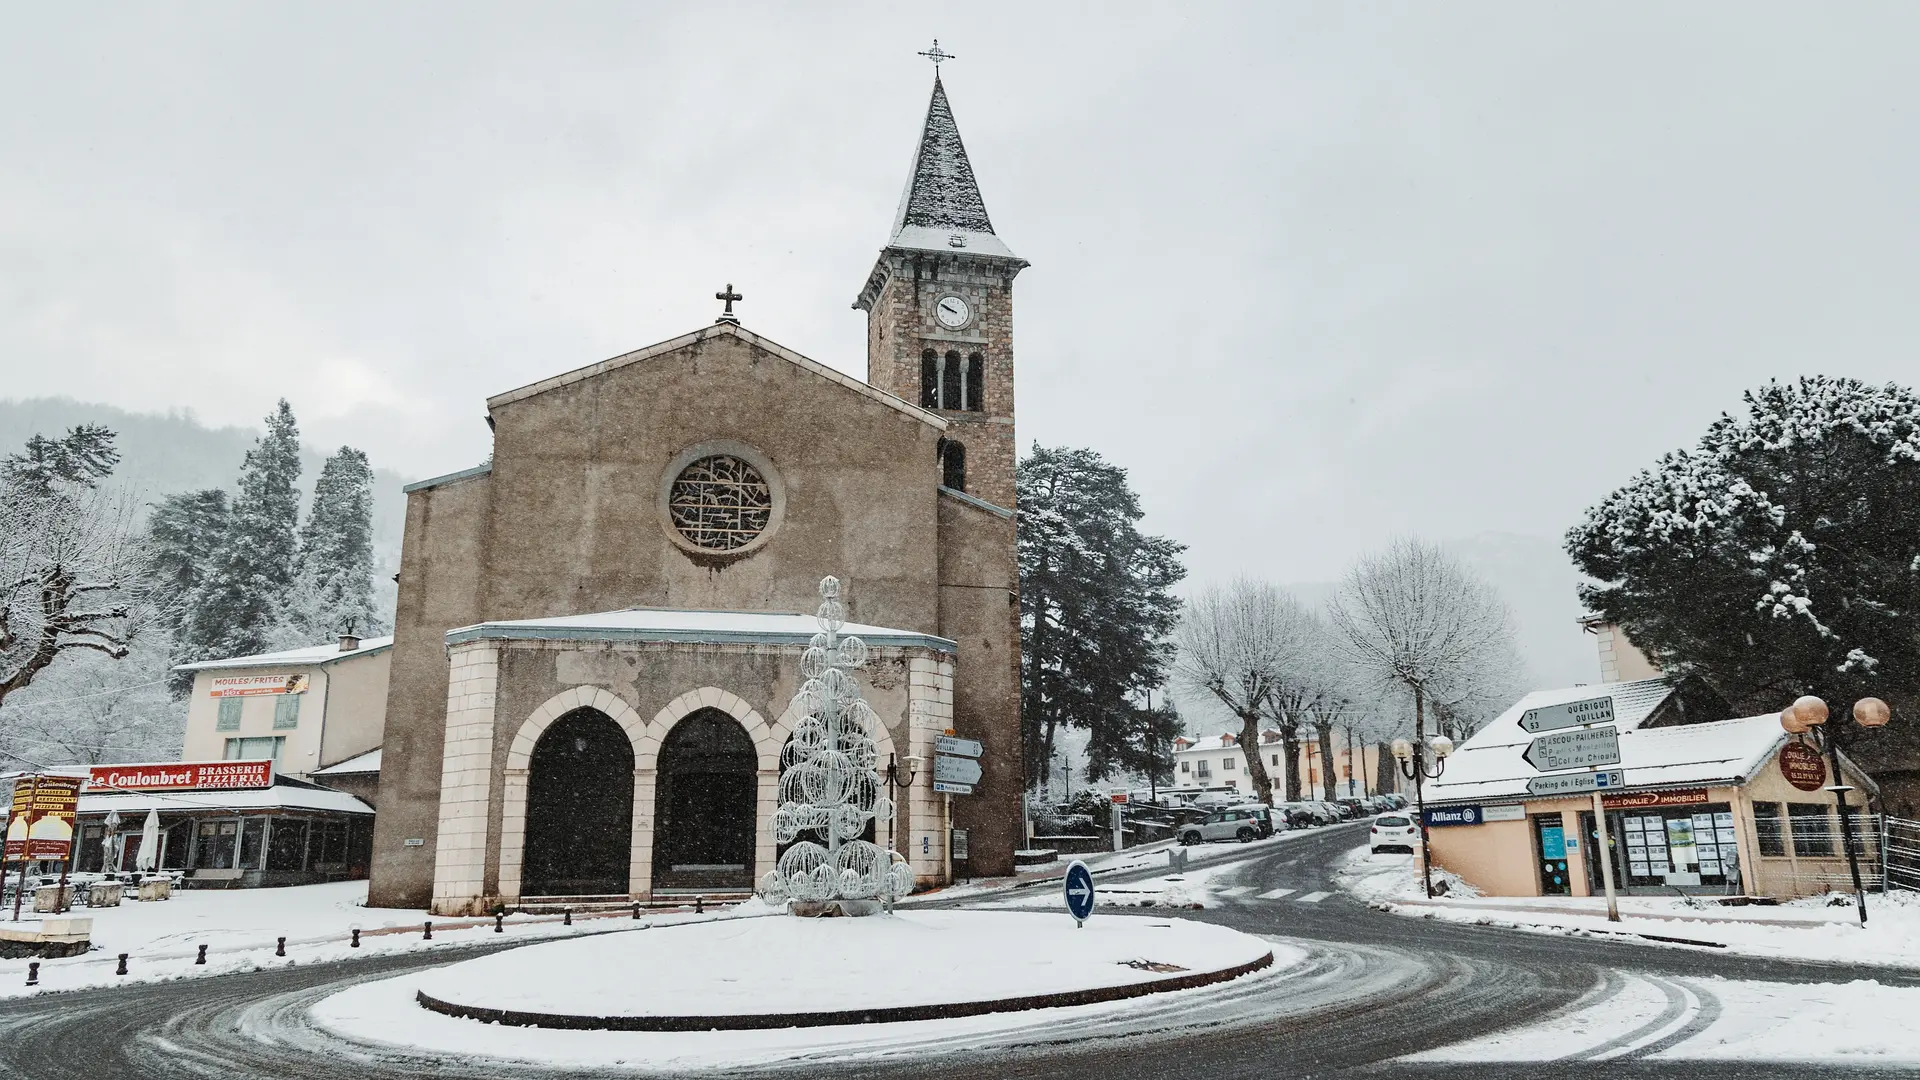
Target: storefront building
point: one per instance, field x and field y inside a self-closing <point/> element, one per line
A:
<point x="1728" y="806"/>
<point x="223" y="824"/>
<point x="305" y="709"/>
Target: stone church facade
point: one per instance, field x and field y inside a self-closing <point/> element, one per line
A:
<point x="599" y="631"/>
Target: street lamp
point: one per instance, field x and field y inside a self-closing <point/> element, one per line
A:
<point x="1808" y="717"/>
<point x="1419" y="768"/>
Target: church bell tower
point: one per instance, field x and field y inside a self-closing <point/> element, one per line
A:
<point x="939" y="307"/>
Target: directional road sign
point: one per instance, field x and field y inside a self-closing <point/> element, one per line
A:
<point x="1569" y="714"/>
<point x="1079" y="891"/>
<point x="1577" y="783"/>
<point x="947" y="788"/>
<point x="1580" y="748"/>
<point x="949" y="744"/>
<point x="956" y="770"/>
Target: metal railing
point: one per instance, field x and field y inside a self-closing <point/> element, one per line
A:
<point x="1899" y="861"/>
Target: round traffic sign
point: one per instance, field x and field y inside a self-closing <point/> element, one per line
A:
<point x="1079" y="891"/>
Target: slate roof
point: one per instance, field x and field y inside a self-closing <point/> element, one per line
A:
<point x="941" y="208"/>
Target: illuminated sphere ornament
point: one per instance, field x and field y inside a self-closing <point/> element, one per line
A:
<point x="829" y="791"/>
<point x="1871" y="712"/>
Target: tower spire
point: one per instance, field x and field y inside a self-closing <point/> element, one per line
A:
<point x="941" y="208"/>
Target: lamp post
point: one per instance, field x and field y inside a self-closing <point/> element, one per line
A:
<point x="1420" y="764"/>
<point x="899" y="777"/>
<point x="1808" y="717"/>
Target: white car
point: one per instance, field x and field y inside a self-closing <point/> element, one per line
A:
<point x="1393" y="831"/>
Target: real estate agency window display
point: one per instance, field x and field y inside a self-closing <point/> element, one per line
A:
<point x="1658" y="847"/>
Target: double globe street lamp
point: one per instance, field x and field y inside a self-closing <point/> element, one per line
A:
<point x="1419" y="768"/>
<point x="1807" y="718"/>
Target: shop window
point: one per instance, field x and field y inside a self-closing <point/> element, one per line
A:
<point x="287" y="848"/>
<point x="252" y="836"/>
<point x="229" y="714"/>
<point x="329" y="842"/>
<point x="92" y="849"/>
<point x="286" y="712"/>
<point x="176" y="844"/>
<point x="215" y="846"/>
<point x="1768" y="830"/>
<point x="1812" y="829"/>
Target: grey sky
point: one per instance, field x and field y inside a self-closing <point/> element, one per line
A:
<point x="1316" y="273"/>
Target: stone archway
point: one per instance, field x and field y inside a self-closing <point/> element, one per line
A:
<point x="705" y="803"/>
<point x="579" y="808"/>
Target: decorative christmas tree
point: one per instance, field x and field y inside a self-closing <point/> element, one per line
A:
<point x="829" y="789"/>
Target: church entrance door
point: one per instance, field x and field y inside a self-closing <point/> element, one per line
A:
<point x="579" y="809"/>
<point x="703" y="838"/>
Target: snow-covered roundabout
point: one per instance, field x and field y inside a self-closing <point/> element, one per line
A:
<point x="738" y="990"/>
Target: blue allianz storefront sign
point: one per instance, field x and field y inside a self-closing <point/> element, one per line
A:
<point x="1453" y="815"/>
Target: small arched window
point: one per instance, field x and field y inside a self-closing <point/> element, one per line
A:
<point x="976" y="399"/>
<point x="929" y="380"/>
<point x="951" y="382"/>
<point x="953" y="465"/>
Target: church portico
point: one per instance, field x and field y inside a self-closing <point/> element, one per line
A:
<point x="673" y="747"/>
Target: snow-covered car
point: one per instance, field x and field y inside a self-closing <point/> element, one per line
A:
<point x="1242" y="823"/>
<point x="1392" y="831"/>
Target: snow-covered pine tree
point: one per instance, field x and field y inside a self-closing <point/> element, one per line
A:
<point x="237" y="608"/>
<point x="333" y="581"/>
<point x="186" y="532"/>
<point x="1781" y="556"/>
<point x="1095" y="611"/>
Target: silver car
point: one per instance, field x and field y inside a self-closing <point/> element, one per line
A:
<point x="1242" y="823"/>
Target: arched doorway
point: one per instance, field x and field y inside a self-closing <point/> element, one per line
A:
<point x="703" y="822"/>
<point x="579" y="809"/>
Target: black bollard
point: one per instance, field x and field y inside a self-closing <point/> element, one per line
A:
<point x="636" y="912"/>
<point x="566" y="917"/>
<point x="356" y="937"/>
<point x="699" y="904"/>
<point x="202" y="958"/>
<point x="122" y="969"/>
<point x="428" y="936"/>
<point x="499" y="922"/>
<point x="33" y="973"/>
<point x="280" y="947"/>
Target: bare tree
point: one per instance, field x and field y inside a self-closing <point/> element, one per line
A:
<point x="1237" y="646"/>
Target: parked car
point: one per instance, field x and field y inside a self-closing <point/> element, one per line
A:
<point x="1354" y="807"/>
<point x="1392" y="831"/>
<point x="1242" y="823"/>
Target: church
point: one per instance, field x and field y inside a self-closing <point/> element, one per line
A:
<point x="599" y="631"/>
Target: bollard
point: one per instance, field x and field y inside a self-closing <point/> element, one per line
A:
<point x="499" y="922"/>
<point x="122" y="969"/>
<point x="428" y="936"/>
<point x="202" y="958"/>
<point x="699" y="905"/>
<point x="280" y="947"/>
<point x="33" y="973"/>
<point x="356" y="937"/>
<point x="636" y="912"/>
<point x="566" y="917"/>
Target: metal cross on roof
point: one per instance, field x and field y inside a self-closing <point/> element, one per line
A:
<point x="936" y="54"/>
<point x="729" y="296"/>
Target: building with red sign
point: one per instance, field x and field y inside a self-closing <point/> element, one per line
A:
<point x="303" y="709"/>
<point x="1696" y="804"/>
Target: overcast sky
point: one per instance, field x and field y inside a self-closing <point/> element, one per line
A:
<point x="1315" y="273"/>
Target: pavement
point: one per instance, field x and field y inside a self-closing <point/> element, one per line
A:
<point x="1376" y="989"/>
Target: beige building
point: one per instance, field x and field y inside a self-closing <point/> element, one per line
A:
<point x="599" y="631"/>
<point x="1620" y="659"/>
<point x="303" y="709"/>
<point x="1220" y="761"/>
<point x="1721" y="806"/>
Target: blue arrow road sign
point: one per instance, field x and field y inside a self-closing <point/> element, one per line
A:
<point x="1079" y="890"/>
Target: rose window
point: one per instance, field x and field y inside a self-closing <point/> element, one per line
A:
<point x="720" y="503"/>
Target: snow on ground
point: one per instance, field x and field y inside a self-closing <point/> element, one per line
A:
<point x="239" y="928"/>
<point x="1816" y="928"/>
<point x="1194" y="887"/>
<point x="909" y="958"/>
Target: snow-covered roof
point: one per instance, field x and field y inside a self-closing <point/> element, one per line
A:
<point x="1633" y="702"/>
<point x="689" y="627"/>
<point x="277" y="797"/>
<point x="1226" y="740"/>
<point x="306" y="657"/>
<point x="941" y="208"/>
<point x="368" y="762"/>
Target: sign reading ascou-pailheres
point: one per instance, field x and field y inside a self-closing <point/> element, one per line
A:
<point x="182" y="776"/>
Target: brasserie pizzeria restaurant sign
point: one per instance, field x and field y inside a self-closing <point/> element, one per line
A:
<point x="182" y="776"/>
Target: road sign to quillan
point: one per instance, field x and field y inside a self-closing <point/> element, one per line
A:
<point x="1580" y="748"/>
<point x="1577" y="783"/>
<point x="953" y="744"/>
<point x="1568" y="714"/>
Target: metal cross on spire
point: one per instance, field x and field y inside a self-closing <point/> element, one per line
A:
<point x="729" y="296"/>
<point x="936" y="54"/>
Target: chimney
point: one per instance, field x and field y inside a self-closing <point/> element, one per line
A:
<point x="348" y="642"/>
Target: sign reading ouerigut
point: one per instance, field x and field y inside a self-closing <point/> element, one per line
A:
<point x="1581" y="748"/>
<point x="1577" y="783"/>
<point x="1568" y="714"/>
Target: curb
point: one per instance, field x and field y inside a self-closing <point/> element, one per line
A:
<point x="889" y="1015"/>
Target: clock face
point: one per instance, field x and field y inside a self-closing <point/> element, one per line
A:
<point x="952" y="312"/>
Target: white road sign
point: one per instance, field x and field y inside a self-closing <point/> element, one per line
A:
<point x="1581" y="748"/>
<point x="956" y="770"/>
<point x="946" y="788"/>
<point x="1569" y="714"/>
<point x="951" y="744"/>
<point x="1577" y="783"/>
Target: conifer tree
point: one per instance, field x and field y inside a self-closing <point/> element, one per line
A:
<point x="237" y="608"/>
<point x="333" y="583"/>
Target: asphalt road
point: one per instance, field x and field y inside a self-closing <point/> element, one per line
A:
<point x="1375" y="987"/>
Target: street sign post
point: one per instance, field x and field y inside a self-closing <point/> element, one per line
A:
<point x="1580" y="748"/>
<point x="1576" y="783"/>
<point x="955" y="770"/>
<point x="1079" y="892"/>
<point x="951" y="744"/>
<point x="1568" y="714"/>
